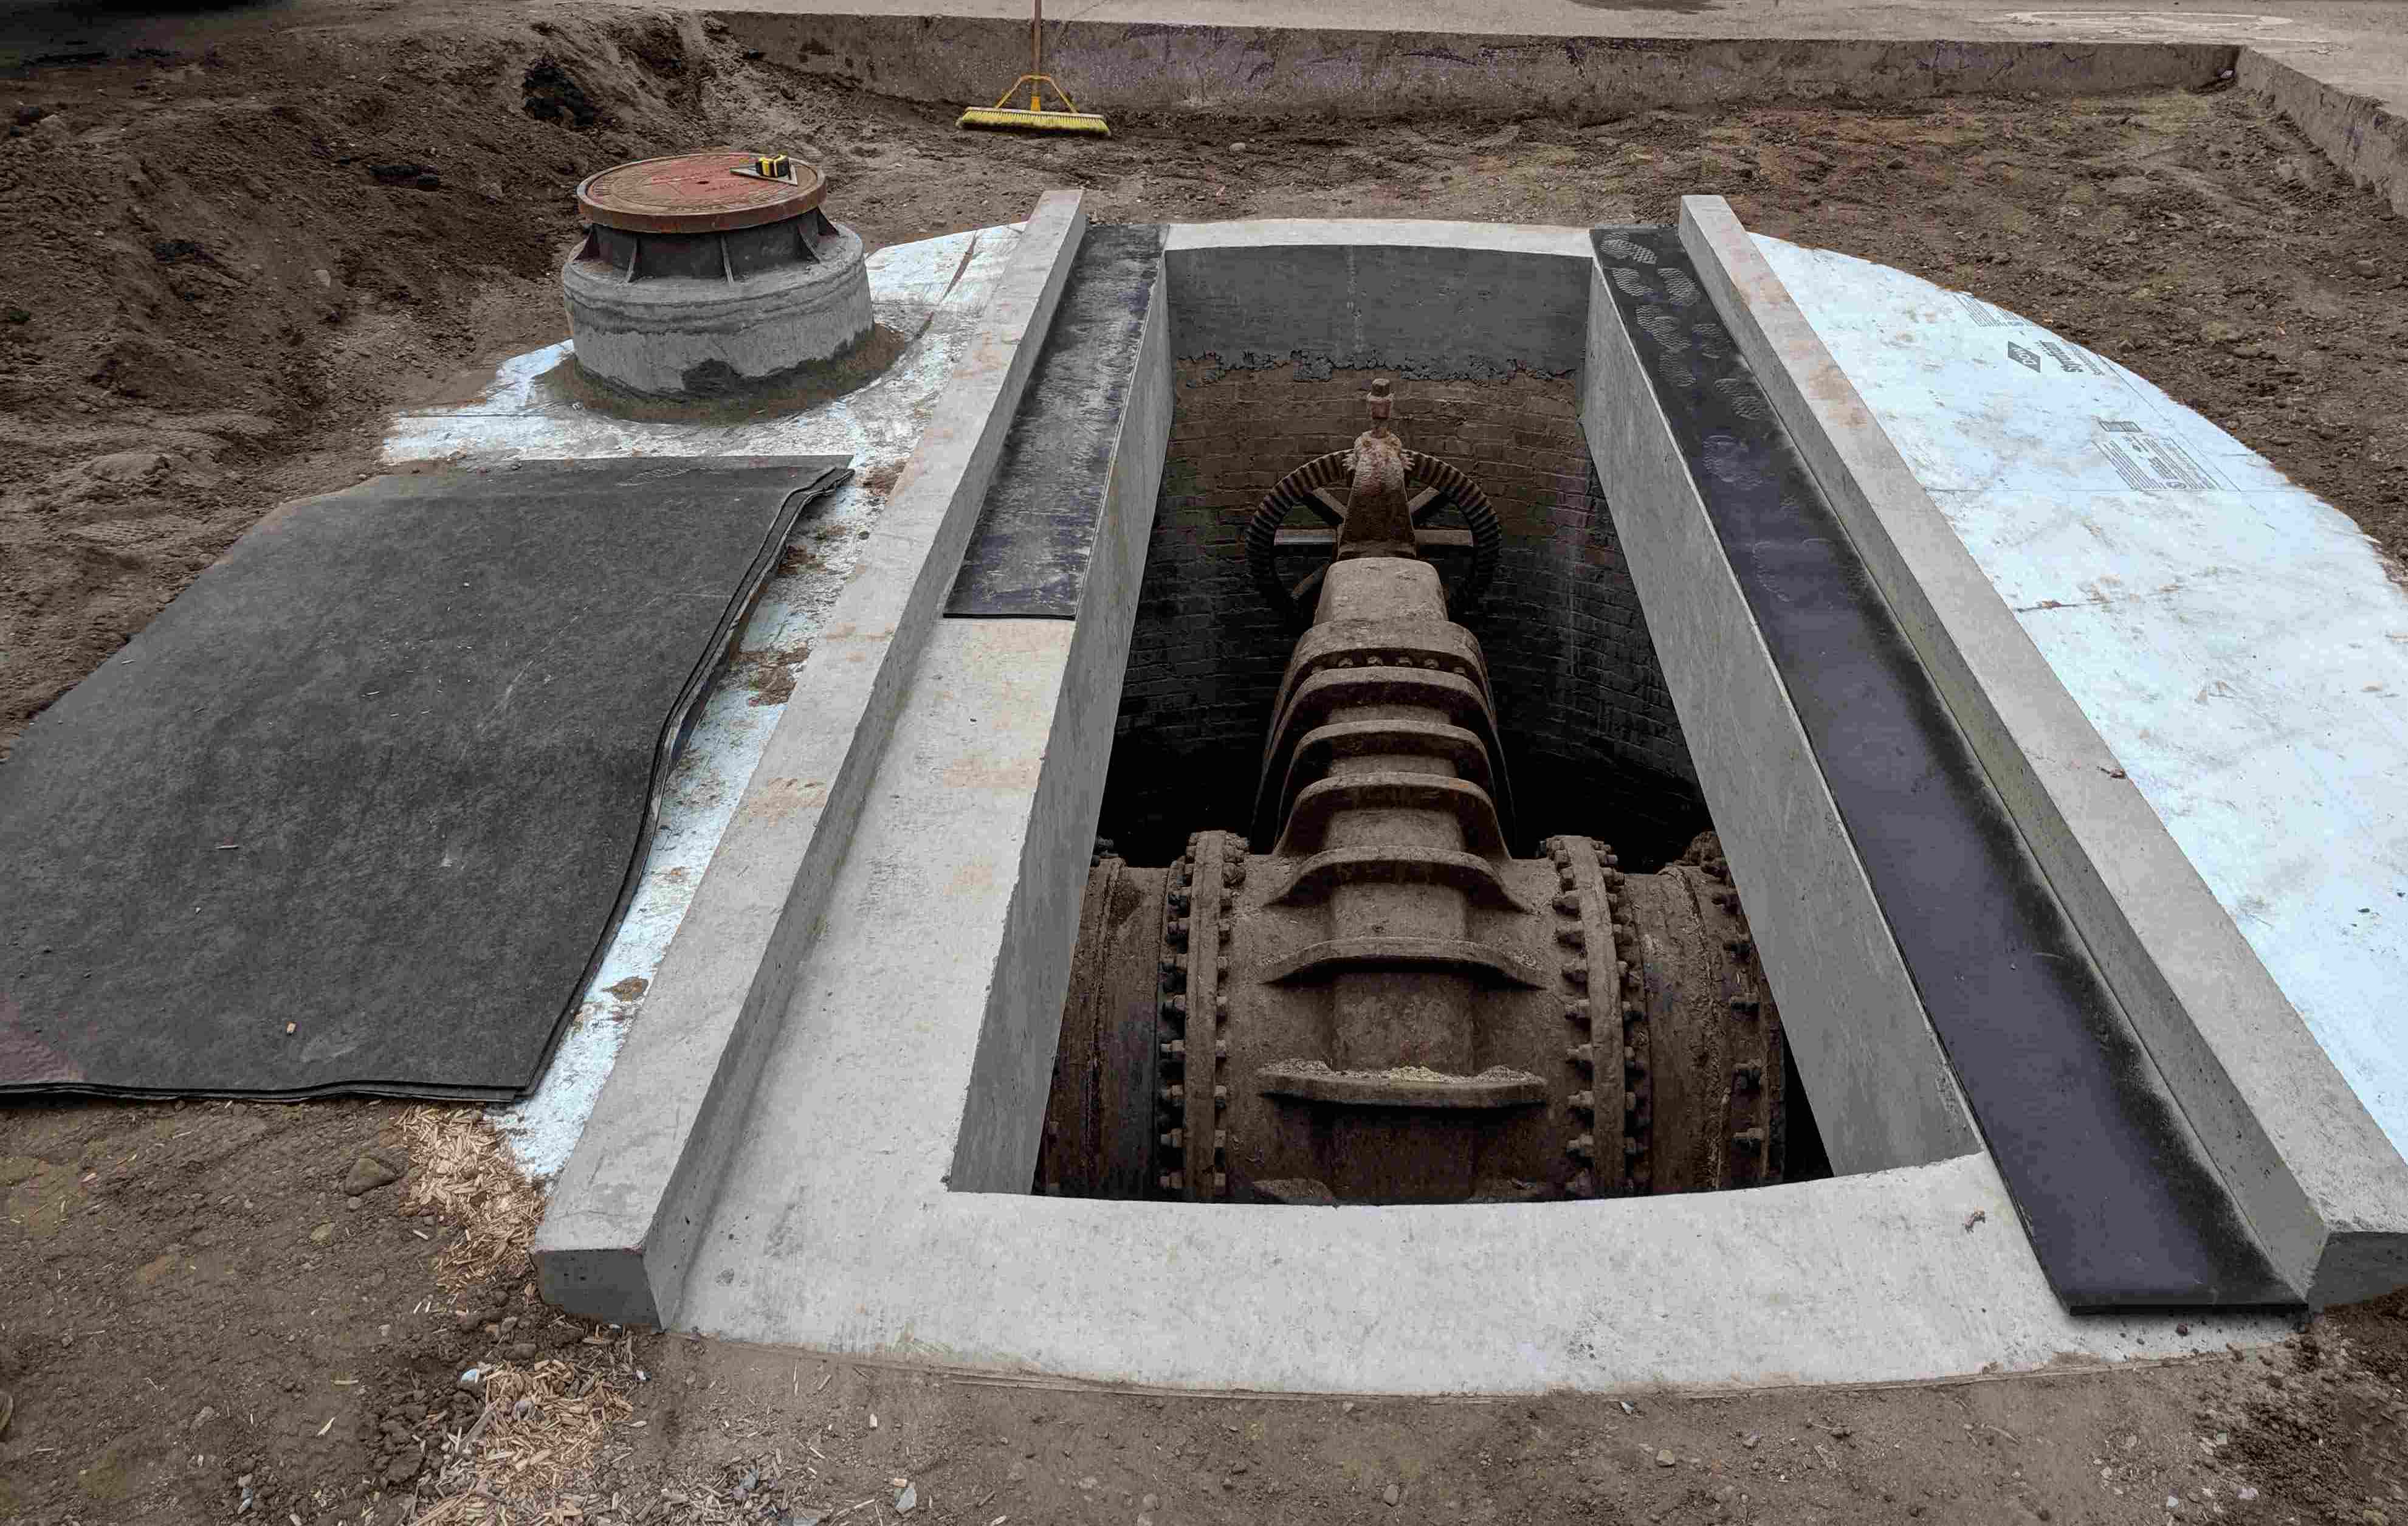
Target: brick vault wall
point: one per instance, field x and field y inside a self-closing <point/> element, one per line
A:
<point x="1589" y="734"/>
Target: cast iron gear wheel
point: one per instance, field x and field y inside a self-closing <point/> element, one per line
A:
<point x="1448" y="488"/>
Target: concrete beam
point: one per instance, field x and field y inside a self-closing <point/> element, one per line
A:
<point x="620" y="1234"/>
<point x="2360" y="131"/>
<point x="2307" y="1165"/>
<point x="1883" y="1095"/>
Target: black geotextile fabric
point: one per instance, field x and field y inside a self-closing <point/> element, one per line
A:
<point x="359" y="811"/>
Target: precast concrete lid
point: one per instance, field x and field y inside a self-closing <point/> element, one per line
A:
<point x="717" y="191"/>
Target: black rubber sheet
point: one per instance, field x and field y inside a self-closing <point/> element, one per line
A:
<point x="359" y="811"/>
<point x="2121" y="1208"/>
<point x="1037" y="529"/>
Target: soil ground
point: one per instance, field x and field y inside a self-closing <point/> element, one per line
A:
<point x="227" y="259"/>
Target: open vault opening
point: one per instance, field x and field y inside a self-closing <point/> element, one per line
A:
<point x="1329" y="953"/>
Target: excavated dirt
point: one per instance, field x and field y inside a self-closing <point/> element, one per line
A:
<point x="228" y="256"/>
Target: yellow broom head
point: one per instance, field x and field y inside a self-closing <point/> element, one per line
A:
<point x="1034" y="122"/>
<point x="1034" y="117"/>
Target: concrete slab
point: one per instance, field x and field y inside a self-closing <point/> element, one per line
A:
<point x="625" y="1210"/>
<point x="2314" y="1172"/>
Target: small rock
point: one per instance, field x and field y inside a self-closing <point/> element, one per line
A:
<point x="1240" y="1468"/>
<point x="1392" y="1495"/>
<point x="522" y="1351"/>
<point x="471" y="1380"/>
<point x="325" y="278"/>
<point x="1151" y="1502"/>
<point x="1015" y="1472"/>
<point x="907" y="1501"/>
<point x="322" y="1234"/>
<point x="402" y="1469"/>
<point x="1750" y="1440"/>
<point x="2246" y="1492"/>
<point x="2366" y="268"/>
<point x="123" y="467"/>
<point x="1088" y="1482"/>
<point x="367" y="1175"/>
<point x="1665" y="1459"/>
<point x="1346" y="1408"/>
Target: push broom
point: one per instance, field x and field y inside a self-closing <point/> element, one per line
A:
<point x="1036" y="119"/>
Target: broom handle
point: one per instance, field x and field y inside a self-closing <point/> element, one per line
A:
<point x="1037" y="36"/>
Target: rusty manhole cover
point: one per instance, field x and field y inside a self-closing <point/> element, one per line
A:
<point x="697" y="193"/>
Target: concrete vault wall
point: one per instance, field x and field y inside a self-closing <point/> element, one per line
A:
<point x="1588" y="728"/>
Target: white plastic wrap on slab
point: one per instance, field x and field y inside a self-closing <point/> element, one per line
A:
<point x="935" y="290"/>
<point x="2238" y="641"/>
